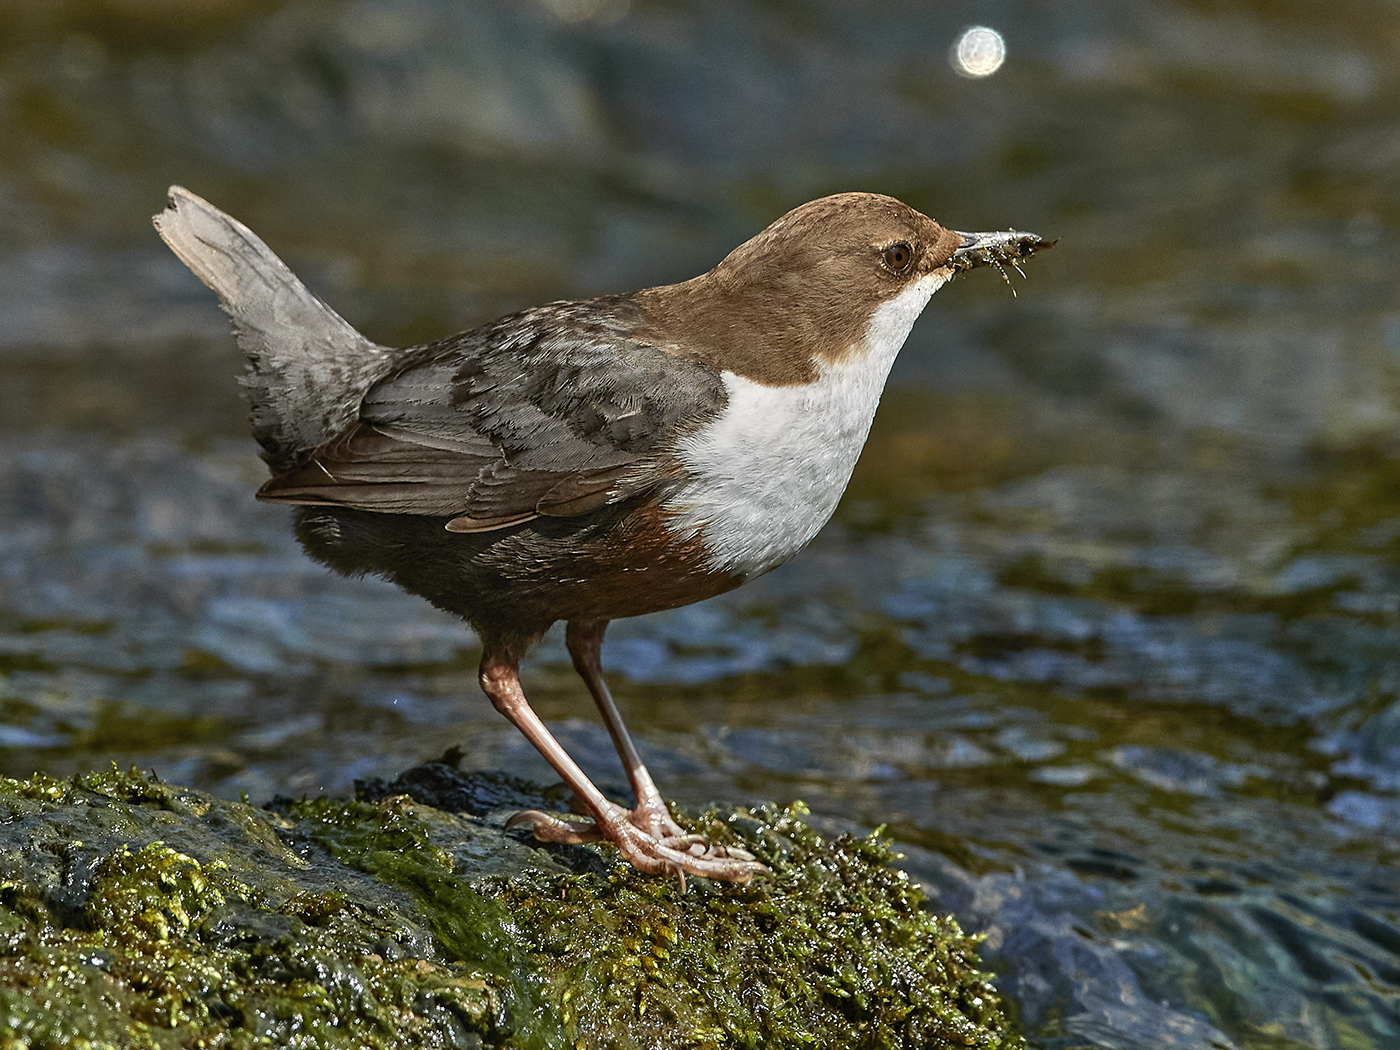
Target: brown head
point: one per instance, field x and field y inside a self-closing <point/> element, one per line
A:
<point x="803" y="290"/>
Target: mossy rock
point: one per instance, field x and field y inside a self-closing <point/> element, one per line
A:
<point x="138" y="914"/>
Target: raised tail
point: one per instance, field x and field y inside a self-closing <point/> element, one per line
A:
<point x="308" y="369"/>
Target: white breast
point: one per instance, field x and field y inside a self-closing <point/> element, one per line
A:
<point x="767" y="474"/>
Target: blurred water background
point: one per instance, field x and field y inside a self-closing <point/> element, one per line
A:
<point x="1105" y="629"/>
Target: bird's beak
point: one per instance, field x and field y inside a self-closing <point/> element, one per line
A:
<point x="995" y="249"/>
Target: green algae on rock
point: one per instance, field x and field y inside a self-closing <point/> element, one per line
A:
<point x="835" y="949"/>
<point x="135" y="914"/>
<point x="138" y="914"/>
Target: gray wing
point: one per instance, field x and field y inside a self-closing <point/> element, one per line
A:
<point x="557" y="411"/>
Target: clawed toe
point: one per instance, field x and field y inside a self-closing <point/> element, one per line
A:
<point x="555" y="829"/>
<point x="684" y="843"/>
<point x="699" y="846"/>
<point x="658" y="854"/>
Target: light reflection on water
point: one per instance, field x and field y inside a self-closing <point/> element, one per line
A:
<point x="1106" y="629"/>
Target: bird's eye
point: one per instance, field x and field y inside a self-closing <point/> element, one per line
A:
<point x="898" y="257"/>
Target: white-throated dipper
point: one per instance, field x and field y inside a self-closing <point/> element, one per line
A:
<point x="584" y="461"/>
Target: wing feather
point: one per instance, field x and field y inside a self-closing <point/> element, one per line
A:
<point x="558" y="411"/>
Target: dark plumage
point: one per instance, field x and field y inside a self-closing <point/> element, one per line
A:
<point x="502" y="473"/>
<point x="585" y="461"/>
<point x="555" y="411"/>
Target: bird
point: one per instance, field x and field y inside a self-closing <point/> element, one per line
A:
<point x="585" y="461"/>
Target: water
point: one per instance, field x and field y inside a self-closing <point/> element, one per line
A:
<point x="1105" y="630"/>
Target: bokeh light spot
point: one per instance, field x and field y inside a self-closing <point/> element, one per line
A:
<point x="978" y="52"/>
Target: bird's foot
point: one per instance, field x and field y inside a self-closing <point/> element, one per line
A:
<point x="650" y="840"/>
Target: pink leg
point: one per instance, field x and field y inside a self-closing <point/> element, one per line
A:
<point x="585" y="642"/>
<point x="642" y="848"/>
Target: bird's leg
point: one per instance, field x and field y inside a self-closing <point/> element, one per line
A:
<point x="585" y="641"/>
<point x="656" y="855"/>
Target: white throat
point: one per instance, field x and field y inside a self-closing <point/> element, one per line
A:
<point x="767" y="474"/>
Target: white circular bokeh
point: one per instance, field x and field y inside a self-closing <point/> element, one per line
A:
<point x="978" y="52"/>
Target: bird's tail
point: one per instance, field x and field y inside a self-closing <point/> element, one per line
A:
<point x="308" y="369"/>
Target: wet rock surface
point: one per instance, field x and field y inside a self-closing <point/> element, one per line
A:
<point x="138" y="913"/>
